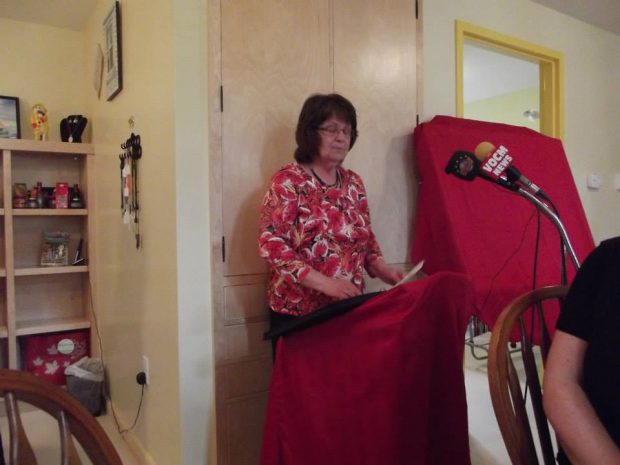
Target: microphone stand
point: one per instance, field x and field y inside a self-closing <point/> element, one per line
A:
<point x="465" y="166"/>
<point x="544" y="208"/>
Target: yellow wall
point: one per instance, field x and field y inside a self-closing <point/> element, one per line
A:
<point x="592" y="102"/>
<point x="137" y="289"/>
<point x="28" y="53"/>
<point x="155" y="301"/>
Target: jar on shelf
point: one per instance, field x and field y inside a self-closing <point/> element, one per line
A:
<point x="76" y="198"/>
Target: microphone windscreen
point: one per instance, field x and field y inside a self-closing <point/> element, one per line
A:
<point x="463" y="165"/>
<point x="483" y="149"/>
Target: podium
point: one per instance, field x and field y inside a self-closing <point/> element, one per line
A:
<point x="380" y="384"/>
<point x="485" y="231"/>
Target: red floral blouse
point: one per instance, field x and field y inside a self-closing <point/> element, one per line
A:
<point x="305" y="225"/>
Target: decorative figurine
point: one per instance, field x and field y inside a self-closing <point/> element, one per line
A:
<point x="72" y="127"/>
<point x="38" y="120"/>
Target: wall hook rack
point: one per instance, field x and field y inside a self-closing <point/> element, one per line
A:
<point x="132" y="152"/>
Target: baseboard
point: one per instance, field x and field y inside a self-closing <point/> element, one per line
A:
<point x="129" y="438"/>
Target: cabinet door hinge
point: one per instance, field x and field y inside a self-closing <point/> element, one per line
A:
<point x="221" y="99"/>
<point x="416" y="9"/>
<point x="223" y="248"/>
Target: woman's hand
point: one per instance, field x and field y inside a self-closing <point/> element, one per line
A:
<point x="338" y="288"/>
<point x="386" y="273"/>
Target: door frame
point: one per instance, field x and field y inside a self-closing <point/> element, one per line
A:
<point x="551" y="65"/>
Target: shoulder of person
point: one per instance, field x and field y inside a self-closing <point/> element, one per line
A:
<point x="352" y="175"/>
<point x="605" y="256"/>
<point x="291" y="172"/>
<point x="608" y="249"/>
<point x="612" y="244"/>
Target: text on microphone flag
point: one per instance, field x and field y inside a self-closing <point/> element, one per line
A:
<point x="494" y="161"/>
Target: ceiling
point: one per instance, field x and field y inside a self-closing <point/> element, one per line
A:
<point x="601" y="13"/>
<point x="511" y="74"/>
<point x="72" y="14"/>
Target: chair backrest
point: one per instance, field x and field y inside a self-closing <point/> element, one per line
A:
<point x="509" y="394"/>
<point x="72" y="417"/>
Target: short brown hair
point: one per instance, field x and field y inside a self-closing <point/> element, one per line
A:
<point x="316" y="110"/>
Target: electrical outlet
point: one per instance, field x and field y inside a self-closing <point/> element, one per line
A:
<point x="145" y="369"/>
<point x="595" y="180"/>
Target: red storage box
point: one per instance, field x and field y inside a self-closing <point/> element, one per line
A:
<point x="47" y="355"/>
<point x="61" y="195"/>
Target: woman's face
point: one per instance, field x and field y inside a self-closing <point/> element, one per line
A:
<point x="335" y="140"/>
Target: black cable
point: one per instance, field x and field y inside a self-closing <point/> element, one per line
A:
<point x="106" y="394"/>
<point x="137" y="413"/>
<point x="510" y="257"/>
<point x="564" y="272"/>
<point x="536" y="250"/>
<point x="534" y="274"/>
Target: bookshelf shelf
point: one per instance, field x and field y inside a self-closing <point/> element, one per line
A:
<point x="42" y="299"/>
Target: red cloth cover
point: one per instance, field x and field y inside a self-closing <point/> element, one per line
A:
<point x="483" y="230"/>
<point x="382" y="384"/>
<point x="42" y="358"/>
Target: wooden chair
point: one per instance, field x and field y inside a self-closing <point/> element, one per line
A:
<point x="73" y="420"/>
<point x="508" y="398"/>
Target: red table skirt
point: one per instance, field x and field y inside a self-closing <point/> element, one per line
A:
<point x="382" y="384"/>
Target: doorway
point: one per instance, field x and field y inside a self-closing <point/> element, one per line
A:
<point x="543" y="104"/>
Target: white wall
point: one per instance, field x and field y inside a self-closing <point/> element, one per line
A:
<point x="195" y="332"/>
<point x="592" y="102"/>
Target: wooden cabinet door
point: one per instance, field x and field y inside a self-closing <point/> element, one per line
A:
<point x="374" y="66"/>
<point x="274" y="54"/>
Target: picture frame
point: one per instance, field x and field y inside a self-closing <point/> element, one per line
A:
<point x="98" y="70"/>
<point x="55" y="249"/>
<point x="113" y="71"/>
<point x="9" y="118"/>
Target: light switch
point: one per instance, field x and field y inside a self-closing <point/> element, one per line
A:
<point x="595" y="180"/>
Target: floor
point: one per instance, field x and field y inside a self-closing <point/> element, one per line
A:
<point x="487" y="447"/>
<point x="42" y="433"/>
<point x="485" y="441"/>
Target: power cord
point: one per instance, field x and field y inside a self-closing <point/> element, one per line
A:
<point x="508" y="259"/>
<point x="140" y="377"/>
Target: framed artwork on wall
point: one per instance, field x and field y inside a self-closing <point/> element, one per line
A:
<point x="113" y="57"/>
<point x="98" y="70"/>
<point x="9" y="118"/>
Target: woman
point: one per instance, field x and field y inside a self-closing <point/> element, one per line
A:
<point x="582" y="374"/>
<point x="315" y="230"/>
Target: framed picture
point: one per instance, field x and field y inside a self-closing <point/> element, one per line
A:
<point x="98" y="70"/>
<point x="9" y="118"/>
<point x="55" y="249"/>
<point x="113" y="71"/>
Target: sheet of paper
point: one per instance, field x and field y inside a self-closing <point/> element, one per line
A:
<point x="411" y="274"/>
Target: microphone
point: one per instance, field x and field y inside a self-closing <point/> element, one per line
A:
<point x="497" y="163"/>
<point x="465" y="165"/>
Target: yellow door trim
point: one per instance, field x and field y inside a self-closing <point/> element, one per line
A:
<point x="551" y="65"/>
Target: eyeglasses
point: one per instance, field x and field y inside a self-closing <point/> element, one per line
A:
<point x="334" y="130"/>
